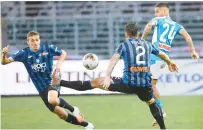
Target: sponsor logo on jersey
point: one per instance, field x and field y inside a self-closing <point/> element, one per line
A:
<point x="41" y="67"/>
<point x="164" y="47"/>
<point x="139" y="69"/>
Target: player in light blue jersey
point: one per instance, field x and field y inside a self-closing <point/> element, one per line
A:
<point x="165" y="30"/>
<point x="38" y="61"/>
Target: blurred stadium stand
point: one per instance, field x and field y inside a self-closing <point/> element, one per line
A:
<point x="91" y="26"/>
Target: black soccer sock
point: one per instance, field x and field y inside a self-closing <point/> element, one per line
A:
<point x="157" y="114"/>
<point x="72" y="119"/>
<point x="64" y="104"/>
<point x="77" y="85"/>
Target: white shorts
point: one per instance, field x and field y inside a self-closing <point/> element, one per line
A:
<point x="156" y="69"/>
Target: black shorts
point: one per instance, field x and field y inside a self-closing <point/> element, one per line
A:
<point x="44" y="96"/>
<point x="144" y="93"/>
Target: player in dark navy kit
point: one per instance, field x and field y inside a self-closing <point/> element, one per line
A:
<point x="38" y="61"/>
<point x="136" y="76"/>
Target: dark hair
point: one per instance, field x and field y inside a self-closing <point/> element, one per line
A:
<point x="162" y="4"/>
<point x="32" y="33"/>
<point x="131" y="29"/>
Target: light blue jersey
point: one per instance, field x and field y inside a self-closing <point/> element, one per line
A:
<point x="165" y="31"/>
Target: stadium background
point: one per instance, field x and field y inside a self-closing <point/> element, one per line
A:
<point x="97" y="27"/>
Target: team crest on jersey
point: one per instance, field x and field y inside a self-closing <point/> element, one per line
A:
<point x="37" y="60"/>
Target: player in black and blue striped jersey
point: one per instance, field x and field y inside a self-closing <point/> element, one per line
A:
<point x="38" y="61"/>
<point x="136" y="76"/>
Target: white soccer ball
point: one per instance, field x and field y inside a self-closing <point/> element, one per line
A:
<point x="90" y="61"/>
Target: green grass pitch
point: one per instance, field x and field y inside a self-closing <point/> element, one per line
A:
<point x="105" y="112"/>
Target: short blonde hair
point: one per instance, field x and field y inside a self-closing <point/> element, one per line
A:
<point x="32" y="33"/>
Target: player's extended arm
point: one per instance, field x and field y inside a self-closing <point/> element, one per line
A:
<point x="114" y="59"/>
<point x="147" y="30"/>
<point x="4" y="59"/>
<point x="62" y="57"/>
<point x="171" y="65"/>
<point x="189" y="41"/>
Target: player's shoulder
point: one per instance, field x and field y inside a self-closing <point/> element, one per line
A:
<point x="24" y="50"/>
<point x="147" y="42"/>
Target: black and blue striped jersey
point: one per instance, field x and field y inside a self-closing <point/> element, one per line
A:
<point x="136" y="56"/>
<point x="38" y="64"/>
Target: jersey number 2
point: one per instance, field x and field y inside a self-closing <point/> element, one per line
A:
<point x="138" y="61"/>
<point x="170" y="35"/>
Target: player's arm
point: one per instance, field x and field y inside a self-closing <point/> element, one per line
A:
<point x="62" y="57"/>
<point x="148" y="29"/>
<point x="114" y="59"/>
<point x="189" y="41"/>
<point x="172" y="66"/>
<point x="4" y="59"/>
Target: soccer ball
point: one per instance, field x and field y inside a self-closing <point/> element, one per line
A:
<point x="90" y="61"/>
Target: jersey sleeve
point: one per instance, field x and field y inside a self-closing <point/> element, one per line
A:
<point x="55" y="51"/>
<point x="155" y="50"/>
<point x="178" y="28"/>
<point x="119" y="49"/>
<point x="19" y="56"/>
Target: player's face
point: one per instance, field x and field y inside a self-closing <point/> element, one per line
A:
<point x="34" y="42"/>
<point x="159" y="12"/>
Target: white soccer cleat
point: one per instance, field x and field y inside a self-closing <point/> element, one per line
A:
<point x="90" y="126"/>
<point x="78" y="115"/>
<point x="154" y="123"/>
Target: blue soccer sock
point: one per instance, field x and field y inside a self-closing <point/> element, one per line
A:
<point x="158" y="102"/>
<point x="157" y="114"/>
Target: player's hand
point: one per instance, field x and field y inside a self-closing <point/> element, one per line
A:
<point x="105" y="84"/>
<point x="57" y="67"/>
<point x="56" y="77"/>
<point x="173" y="67"/>
<point x="194" y="55"/>
<point x="5" y="50"/>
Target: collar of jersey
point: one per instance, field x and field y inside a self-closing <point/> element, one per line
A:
<point x="133" y="38"/>
<point x="38" y="51"/>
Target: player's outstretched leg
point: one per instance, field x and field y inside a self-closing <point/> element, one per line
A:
<point x="82" y="85"/>
<point x="157" y="99"/>
<point x="72" y="119"/>
<point x="157" y="113"/>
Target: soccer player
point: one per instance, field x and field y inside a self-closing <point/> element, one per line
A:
<point x="38" y="61"/>
<point x="165" y="30"/>
<point x="136" y="76"/>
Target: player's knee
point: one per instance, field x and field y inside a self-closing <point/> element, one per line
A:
<point x="53" y="101"/>
<point x="53" y="97"/>
<point x="151" y="101"/>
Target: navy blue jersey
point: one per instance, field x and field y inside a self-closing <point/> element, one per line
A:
<point x="136" y="56"/>
<point x="38" y="64"/>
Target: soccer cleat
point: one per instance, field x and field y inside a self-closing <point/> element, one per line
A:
<point x="154" y="123"/>
<point x="90" y="126"/>
<point x="78" y="115"/>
